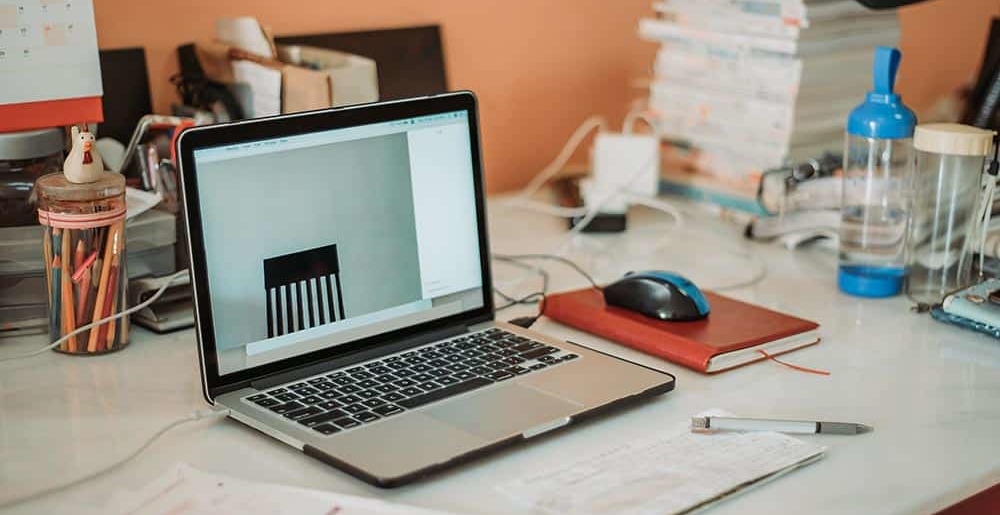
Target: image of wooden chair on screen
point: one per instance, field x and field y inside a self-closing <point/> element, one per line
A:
<point x="302" y="290"/>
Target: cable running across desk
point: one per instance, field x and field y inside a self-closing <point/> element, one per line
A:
<point x="536" y="297"/>
<point x="197" y="415"/>
<point x="105" y="320"/>
<point x="550" y="257"/>
<point x="531" y="298"/>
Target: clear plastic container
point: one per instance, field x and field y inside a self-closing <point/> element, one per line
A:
<point x="875" y="208"/>
<point x="950" y="159"/>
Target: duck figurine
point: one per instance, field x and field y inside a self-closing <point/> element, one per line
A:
<point x="83" y="164"/>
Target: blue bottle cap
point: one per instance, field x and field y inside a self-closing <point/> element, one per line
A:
<point x="882" y="115"/>
<point x="870" y="281"/>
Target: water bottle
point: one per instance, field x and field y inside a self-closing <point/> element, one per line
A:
<point x="878" y="164"/>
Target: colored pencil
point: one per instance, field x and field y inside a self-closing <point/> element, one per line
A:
<point x="56" y="248"/>
<point x="102" y="288"/>
<point x="112" y="302"/>
<point x="124" y="322"/>
<point x="68" y="317"/>
<point x="82" y="279"/>
<point x="77" y="287"/>
<point x="95" y="272"/>
<point x="54" y="331"/>
<point x="47" y="256"/>
<point x="78" y="257"/>
<point x="47" y="261"/>
<point x="83" y="299"/>
<point x="57" y="293"/>
<point x="84" y="266"/>
<point x="92" y="295"/>
<point x="103" y="302"/>
<point x="56" y="239"/>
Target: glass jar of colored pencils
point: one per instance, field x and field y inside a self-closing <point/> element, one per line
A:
<point x="84" y="250"/>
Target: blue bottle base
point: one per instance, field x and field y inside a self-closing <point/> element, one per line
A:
<point x="870" y="281"/>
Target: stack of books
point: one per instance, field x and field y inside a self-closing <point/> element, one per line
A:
<point x="750" y="85"/>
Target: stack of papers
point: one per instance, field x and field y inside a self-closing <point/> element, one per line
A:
<point x="263" y="98"/>
<point x="674" y="474"/>
<point x="755" y="83"/>
<point x="188" y="491"/>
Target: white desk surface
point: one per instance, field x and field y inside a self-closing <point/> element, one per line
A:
<point x="932" y="393"/>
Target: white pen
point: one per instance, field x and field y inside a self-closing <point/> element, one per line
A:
<point x="710" y="424"/>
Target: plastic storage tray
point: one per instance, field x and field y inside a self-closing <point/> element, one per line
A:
<point x="153" y="229"/>
<point x="23" y="307"/>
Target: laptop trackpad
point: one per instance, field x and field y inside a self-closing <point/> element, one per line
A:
<point x="504" y="411"/>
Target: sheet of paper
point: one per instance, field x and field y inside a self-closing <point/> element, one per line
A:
<point x="676" y="473"/>
<point x="265" y="88"/>
<point x="48" y="51"/>
<point x="138" y="201"/>
<point x="184" y="490"/>
<point x="245" y="33"/>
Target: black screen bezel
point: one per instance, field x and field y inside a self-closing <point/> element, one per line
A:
<point x="303" y="123"/>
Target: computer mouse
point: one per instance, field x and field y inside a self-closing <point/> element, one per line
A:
<point x="659" y="295"/>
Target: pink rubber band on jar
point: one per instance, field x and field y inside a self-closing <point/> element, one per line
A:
<point x="81" y="221"/>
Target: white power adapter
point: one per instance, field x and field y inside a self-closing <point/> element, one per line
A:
<point x="622" y="166"/>
<point x="626" y="162"/>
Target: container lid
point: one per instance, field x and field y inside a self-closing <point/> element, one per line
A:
<point x="882" y="115"/>
<point x="869" y="281"/>
<point x="55" y="186"/>
<point x="30" y="144"/>
<point x="953" y="138"/>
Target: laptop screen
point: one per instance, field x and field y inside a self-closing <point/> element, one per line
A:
<point x="324" y="238"/>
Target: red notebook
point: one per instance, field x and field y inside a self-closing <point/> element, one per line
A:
<point x="729" y="337"/>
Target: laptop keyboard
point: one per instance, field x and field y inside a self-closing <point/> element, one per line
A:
<point x="365" y="393"/>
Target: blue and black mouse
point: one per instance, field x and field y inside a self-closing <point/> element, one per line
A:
<point x="659" y="295"/>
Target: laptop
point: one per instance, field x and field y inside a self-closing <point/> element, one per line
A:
<point x="343" y="296"/>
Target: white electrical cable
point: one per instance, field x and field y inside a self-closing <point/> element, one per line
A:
<point x="546" y="208"/>
<point x="989" y="194"/>
<point x="523" y="200"/>
<point x="573" y="212"/>
<point x="625" y="186"/>
<point x="195" y="416"/>
<point x="588" y="213"/>
<point x="557" y="164"/>
<point x="595" y="210"/>
<point x="659" y="205"/>
<point x="757" y="277"/>
<point x="116" y="316"/>
<point x="523" y="197"/>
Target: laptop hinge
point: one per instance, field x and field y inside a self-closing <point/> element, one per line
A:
<point x="357" y="357"/>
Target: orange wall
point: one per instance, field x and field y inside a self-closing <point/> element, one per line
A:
<point x="942" y="46"/>
<point x="539" y="66"/>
